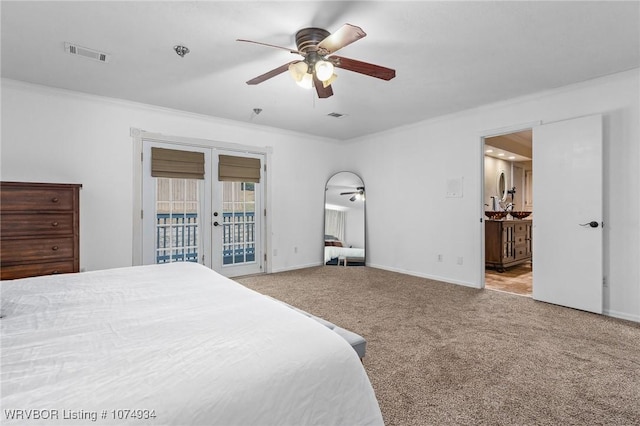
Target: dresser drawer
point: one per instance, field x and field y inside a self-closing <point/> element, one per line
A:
<point x="17" y="199"/>
<point x="520" y="229"/>
<point x="18" y="224"/>
<point x="521" y="252"/>
<point x="35" y="269"/>
<point x="36" y="249"/>
<point x="520" y="239"/>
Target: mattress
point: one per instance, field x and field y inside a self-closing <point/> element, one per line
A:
<point x="171" y="344"/>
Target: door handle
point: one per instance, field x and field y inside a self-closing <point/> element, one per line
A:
<point x="216" y="223"/>
<point x="592" y="224"/>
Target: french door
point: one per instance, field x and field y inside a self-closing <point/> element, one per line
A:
<point x="237" y="223"/>
<point x="215" y="223"/>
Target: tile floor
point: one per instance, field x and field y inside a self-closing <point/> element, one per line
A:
<point x="517" y="279"/>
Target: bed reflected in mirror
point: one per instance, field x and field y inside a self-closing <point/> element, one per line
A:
<point x="344" y="220"/>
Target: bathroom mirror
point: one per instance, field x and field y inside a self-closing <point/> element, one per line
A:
<point x="344" y="220"/>
<point x="501" y="185"/>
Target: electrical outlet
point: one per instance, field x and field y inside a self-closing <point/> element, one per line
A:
<point x="295" y="250"/>
<point x="460" y="260"/>
<point x="439" y="258"/>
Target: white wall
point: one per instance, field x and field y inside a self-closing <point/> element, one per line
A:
<point x="354" y="227"/>
<point x="50" y="135"/>
<point x="492" y="167"/>
<point x="414" y="163"/>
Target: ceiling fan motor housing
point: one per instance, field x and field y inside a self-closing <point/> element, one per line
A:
<point x="308" y="38"/>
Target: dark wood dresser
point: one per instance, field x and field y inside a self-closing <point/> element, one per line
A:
<point x="507" y="242"/>
<point x="39" y="229"/>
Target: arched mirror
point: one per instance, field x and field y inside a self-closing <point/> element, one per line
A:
<point x="501" y="185"/>
<point x="344" y="213"/>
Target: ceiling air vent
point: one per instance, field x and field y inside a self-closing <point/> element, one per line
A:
<point x="335" y="115"/>
<point x="85" y="52"/>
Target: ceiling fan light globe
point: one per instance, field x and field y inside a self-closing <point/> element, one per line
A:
<point x="298" y="70"/>
<point x="324" y="70"/>
<point x="330" y="80"/>
<point x="306" y="82"/>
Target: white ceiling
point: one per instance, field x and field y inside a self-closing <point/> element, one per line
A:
<point x="516" y="146"/>
<point x="448" y="55"/>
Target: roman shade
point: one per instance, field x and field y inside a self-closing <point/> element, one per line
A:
<point x="173" y="163"/>
<point x="238" y="169"/>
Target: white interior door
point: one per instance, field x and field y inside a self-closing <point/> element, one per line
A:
<point x="567" y="218"/>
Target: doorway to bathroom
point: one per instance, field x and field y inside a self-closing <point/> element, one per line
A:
<point x="565" y="240"/>
<point x="508" y="211"/>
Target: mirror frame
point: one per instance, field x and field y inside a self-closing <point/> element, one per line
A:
<point x="364" y="215"/>
<point x="502" y="192"/>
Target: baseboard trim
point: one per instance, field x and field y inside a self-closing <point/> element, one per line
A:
<point x="622" y="315"/>
<point x="293" y="268"/>
<point x="428" y="276"/>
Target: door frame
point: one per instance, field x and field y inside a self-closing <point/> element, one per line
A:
<point x="139" y="135"/>
<point x="483" y="135"/>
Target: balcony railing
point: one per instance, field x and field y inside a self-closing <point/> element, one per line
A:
<point x="238" y="238"/>
<point x="177" y="237"/>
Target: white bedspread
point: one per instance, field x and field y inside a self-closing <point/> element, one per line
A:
<point x="332" y="252"/>
<point x="179" y="340"/>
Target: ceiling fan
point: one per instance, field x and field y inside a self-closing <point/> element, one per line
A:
<point x="316" y="68"/>
<point x="357" y="194"/>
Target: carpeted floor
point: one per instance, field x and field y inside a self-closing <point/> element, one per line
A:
<point x="442" y="354"/>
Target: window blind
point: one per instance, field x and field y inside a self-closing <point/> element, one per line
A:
<point x="238" y="169"/>
<point x="172" y="163"/>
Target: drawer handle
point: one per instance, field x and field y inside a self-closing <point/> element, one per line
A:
<point x="54" y="248"/>
<point x="55" y="199"/>
<point x="54" y="224"/>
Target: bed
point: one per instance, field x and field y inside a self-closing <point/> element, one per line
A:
<point x="332" y="254"/>
<point x="171" y="344"/>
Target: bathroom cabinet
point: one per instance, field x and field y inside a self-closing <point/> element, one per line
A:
<point x="507" y="243"/>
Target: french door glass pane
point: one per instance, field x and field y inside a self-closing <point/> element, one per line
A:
<point x="238" y="211"/>
<point x="177" y="220"/>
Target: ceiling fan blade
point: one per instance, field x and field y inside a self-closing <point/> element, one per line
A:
<point x="346" y="35"/>
<point x="270" y="45"/>
<point x="266" y="76"/>
<point x="323" y="92"/>
<point x="363" y="67"/>
<point x="348" y="193"/>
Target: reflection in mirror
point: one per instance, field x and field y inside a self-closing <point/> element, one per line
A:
<point x="501" y="185"/>
<point x="344" y="213"/>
